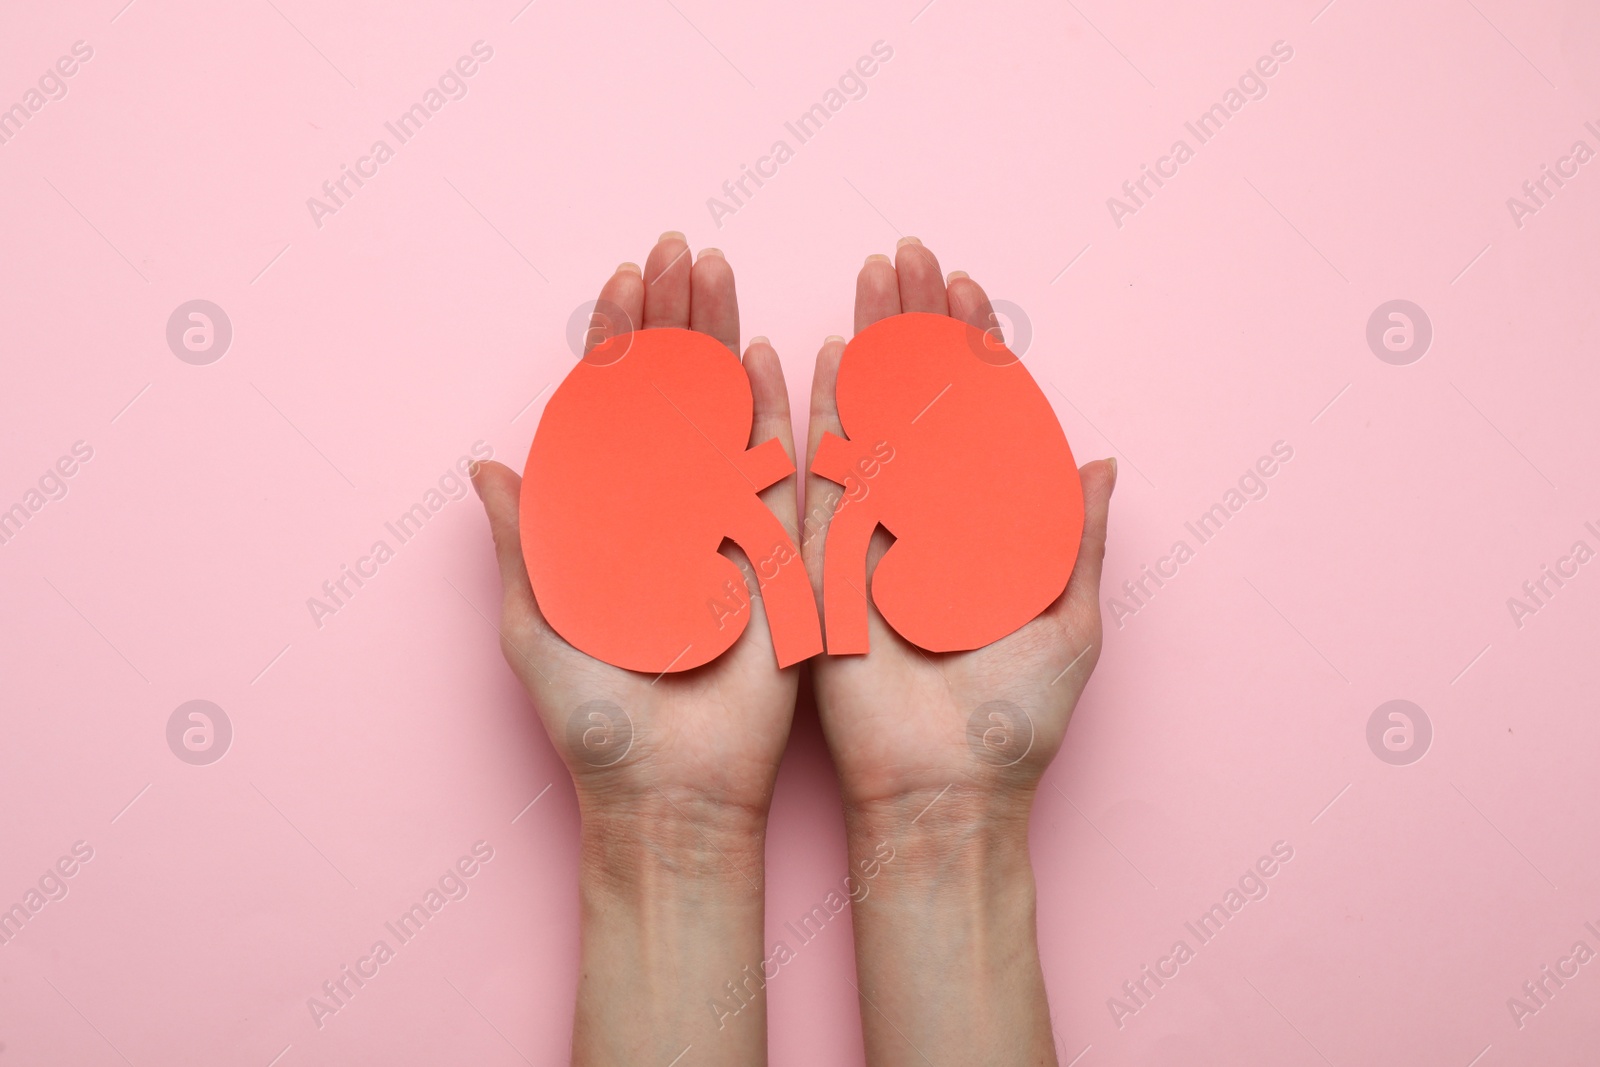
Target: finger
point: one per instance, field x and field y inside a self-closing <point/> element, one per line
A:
<point x="620" y="308"/>
<point x="821" y="494"/>
<point x="500" y="489"/>
<point x="713" y="305"/>
<point x="877" y="292"/>
<point x="921" y="282"/>
<point x="666" y="283"/>
<point x="770" y="396"/>
<point x="970" y="304"/>
<point x="1083" y="589"/>
<point x="770" y="403"/>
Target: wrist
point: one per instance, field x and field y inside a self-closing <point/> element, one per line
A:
<point x="668" y="837"/>
<point x="958" y="842"/>
<point x="946" y="941"/>
<point x="670" y="895"/>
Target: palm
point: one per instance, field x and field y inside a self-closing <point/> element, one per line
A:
<point x="906" y="723"/>
<point x="716" y="732"/>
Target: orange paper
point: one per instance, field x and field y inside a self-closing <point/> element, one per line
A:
<point x="641" y="468"/>
<point x="955" y="451"/>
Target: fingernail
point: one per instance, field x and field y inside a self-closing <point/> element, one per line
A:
<point x="833" y="338"/>
<point x="473" y="470"/>
<point x="671" y="235"/>
<point x="877" y="257"/>
<point x="760" y="340"/>
<point x="711" y="252"/>
<point x="1113" y="461"/>
<point x="907" y="241"/>
<point x="954" y="275"/>
<point x="629" y="268"/>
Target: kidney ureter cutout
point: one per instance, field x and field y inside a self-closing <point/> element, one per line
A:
<point x="640" y="469"/>
<point x="955" y="451"/>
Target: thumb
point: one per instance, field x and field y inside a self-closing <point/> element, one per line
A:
<point x="500" y="489"/>
<point x="1083" y="590"/>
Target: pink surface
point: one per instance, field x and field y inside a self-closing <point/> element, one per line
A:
<point x="373" y="745"/>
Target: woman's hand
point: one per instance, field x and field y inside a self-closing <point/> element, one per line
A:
<point x="705" y="741"/>
<point x="979" y="727"/>
<point x="674" y="774"/>
<point x="939" y="755"/>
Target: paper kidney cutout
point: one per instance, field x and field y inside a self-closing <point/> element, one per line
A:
<point x="640" y="469"/>
<point x="956" y="452"/>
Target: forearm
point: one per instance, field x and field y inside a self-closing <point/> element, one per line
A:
<point x="671" y="912"/>
<point x="946" y="951"/>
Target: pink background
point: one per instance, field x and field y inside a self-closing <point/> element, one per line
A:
<point x="369" y="354"/>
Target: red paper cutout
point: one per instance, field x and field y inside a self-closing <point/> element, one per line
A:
<point x="640" y="469"/>
<point x="979" y="489"/>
